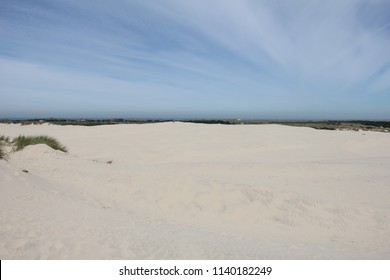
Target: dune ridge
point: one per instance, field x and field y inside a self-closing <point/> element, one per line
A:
<point x="196" y="191"/>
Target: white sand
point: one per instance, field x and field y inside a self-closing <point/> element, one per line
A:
<point x="195" y="191"/>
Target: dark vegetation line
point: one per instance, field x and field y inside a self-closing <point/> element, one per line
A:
<point x="383" y="126"/>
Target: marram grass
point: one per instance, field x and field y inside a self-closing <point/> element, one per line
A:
<point x="23" y="141"/>
<point x="4" y="139"/>
<point x="2" y="153"/>
<point x="3" y="142"/>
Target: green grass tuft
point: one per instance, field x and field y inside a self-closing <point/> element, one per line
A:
<point x="2" y="153"/>
<point x="5" y="139"/>
<point x="23" y="141"/>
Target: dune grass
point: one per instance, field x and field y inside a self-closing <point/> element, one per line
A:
<point x="23" y="141"/>
<point x="2" y="153"/>
<point x="3" y="142"/>
<point x="5" y="139"/>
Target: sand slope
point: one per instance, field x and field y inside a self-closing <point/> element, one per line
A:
<point x="196" y="191"/>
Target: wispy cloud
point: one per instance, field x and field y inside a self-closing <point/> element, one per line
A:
<point x="320" y="59"/>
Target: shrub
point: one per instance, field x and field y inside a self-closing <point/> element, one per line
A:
<point x="22" y="141"/>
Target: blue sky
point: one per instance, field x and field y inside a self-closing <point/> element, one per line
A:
<point x="204" y="59"/>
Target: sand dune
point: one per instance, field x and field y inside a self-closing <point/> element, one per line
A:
<point x="196" y="191"/>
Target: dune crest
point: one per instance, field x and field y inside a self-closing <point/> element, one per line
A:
<point x="195" y="191"/>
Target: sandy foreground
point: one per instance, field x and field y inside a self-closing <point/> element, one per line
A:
<point x="196" y="191"/>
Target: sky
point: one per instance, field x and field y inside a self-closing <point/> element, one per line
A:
<point x="264" y="59"/>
